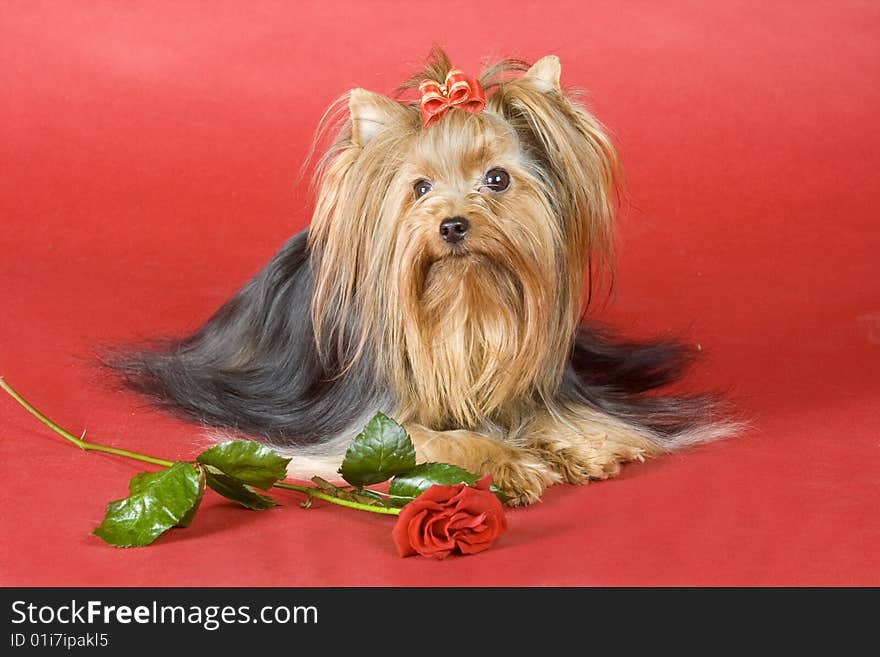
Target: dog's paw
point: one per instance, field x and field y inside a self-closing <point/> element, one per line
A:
<point x="522" y="480"/>
<point x="579" y="462"/>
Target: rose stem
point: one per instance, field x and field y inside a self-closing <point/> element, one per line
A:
<point x="79" y="442"/>
<point x="308" y="490"/>
<point x="97" y="447"/>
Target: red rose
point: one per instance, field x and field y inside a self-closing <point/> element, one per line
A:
<point x="447" y="519"/>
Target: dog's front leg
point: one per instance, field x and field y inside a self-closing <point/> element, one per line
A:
<point x="520" y="473"/>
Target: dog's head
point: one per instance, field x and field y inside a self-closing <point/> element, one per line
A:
<point x="454" y="255"/>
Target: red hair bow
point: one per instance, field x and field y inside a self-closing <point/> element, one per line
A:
<point x="458" y="90"/>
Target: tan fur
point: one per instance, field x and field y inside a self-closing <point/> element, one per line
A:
<point x="584" y="444"/>
<point x="473" y="341"/>
<point x="523" y="475"/>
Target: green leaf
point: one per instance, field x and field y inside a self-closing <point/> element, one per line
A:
<point x="249" y="462"/>
<point x="405" y="487"/>
<point x="239" y="492"/>
<point x="188" y="518"/>
<point x="158" y="501"/>
<point x="382" y="450"/>
<point x="415" y="482"/>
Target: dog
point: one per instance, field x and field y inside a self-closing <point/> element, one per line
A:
<point x="455" y="243"/>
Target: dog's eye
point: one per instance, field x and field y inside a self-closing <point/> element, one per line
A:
<point x="421" y="187"/>
<point x="497" y="179"/>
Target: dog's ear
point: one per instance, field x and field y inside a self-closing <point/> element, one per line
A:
<point x="545" y="73"/>
<point x="573" y="151"/>
<point x="371" y="113"/>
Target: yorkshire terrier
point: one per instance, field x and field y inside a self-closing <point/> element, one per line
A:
<point x="443" y="279"/>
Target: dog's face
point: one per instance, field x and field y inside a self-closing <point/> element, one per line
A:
<point x="477" y="253"/>
<point x="455" y="255"/>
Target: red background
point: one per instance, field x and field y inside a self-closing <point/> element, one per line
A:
<point x="149" y="166"/>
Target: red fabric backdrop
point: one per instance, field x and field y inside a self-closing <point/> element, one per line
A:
<point x="150" y="155"/>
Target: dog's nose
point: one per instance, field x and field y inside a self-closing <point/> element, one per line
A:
<point x="454" y="229"/>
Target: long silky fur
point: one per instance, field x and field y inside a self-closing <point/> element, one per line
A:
<point x="618" y="377"/>
<point x="360" y="312"/>
<point x="253" y="368"/>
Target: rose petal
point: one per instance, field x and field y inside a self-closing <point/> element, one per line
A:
<point x="465" y="521"/>
<point x="473" y="547"/>
<point x="434" y="533"/>
<point x="400" y="533"/>
<point x="447" y="519"/>
<point x="438" y="494"/>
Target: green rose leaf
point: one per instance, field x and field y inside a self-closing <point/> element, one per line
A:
<point x="188" y="518"/>
<point x="249" y="462"/>
<point x="382" y="450"/>
<point x="415" y="482"/>
<point x="158" y="501"/>
<point x="239" y="492"/>
<point x="405" y="487"/>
